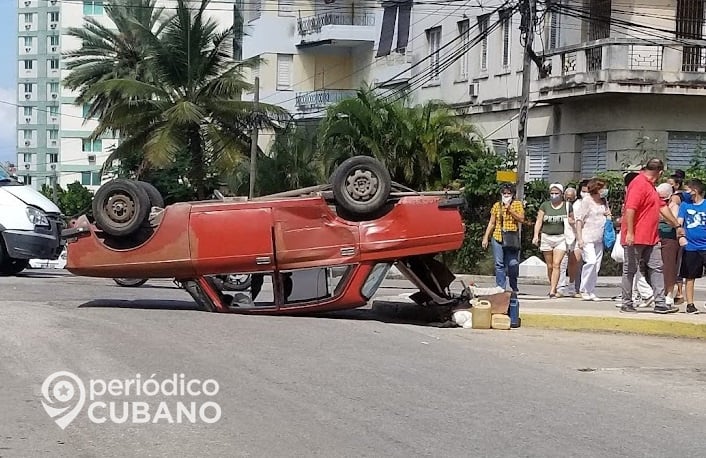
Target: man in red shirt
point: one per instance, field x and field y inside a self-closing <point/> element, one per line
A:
<point x="639" y="236"/>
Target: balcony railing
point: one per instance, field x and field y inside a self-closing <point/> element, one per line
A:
<point x="321" y="98"/>
<point x="313" y="24"/>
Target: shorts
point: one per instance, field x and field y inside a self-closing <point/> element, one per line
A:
<point x="552" y="242"/>
<point x="692" y="264"/>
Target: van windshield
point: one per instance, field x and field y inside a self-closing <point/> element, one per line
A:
<point x="4" y="174"/>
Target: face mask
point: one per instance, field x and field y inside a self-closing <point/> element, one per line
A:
<point x="507" y="199"/>
<point x="604" y="193"/>
<point x="555" y="197"/>
<point x="584" y="194"/>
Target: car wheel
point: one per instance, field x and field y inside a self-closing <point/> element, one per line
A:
<point x="361" y="185"/>
<point x="156" y="199"/>
<point x="120" y="207"/>
<point x="12" y="266"/>
<point x="237" y="282"/>
<point x="130" y="282"/>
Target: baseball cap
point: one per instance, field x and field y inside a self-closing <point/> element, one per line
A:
<point x="558" y="186"/>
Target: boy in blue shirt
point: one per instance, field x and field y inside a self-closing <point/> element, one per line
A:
<point x="692" y="217"/>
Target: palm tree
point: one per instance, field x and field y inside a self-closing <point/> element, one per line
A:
<point x="185" y="98"/>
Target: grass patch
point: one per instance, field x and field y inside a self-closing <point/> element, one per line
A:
<point x="610" y="324"/>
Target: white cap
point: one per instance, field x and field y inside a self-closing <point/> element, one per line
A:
<point x="558" y="186"/>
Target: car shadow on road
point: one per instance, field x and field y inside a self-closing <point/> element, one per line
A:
<point x="42" y="274"/>
<point x="395" y="313"/>
<point x="144" y="304"/>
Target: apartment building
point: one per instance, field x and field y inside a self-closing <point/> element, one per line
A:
<point x="52" y="130"/>
<point x="620" y="80"/>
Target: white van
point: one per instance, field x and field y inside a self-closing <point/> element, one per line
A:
<point x="30" y="225"/>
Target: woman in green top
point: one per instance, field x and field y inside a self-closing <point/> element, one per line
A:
<point x="552" y="241"/>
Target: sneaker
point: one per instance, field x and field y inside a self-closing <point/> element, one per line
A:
<point x="691" y="309"/>
<point x="669" y="300"/>
<point x="665" y="309"/>
<point x="595" y="298"/>
<point x="586" y="297"/>
<point x="649" y="302"/>
<point x="628" y="309"/>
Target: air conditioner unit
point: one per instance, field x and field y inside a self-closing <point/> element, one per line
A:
<point x="28" y="96"/>
<point x="53" y="143"/>
<point x="54" y="95"/>
<point x="28" y="166"/>
<point x="52" y="26"/>
<point x="27" y="143"/>
<point x="53" y="2"/>
<point x="473" y="89"/>
<point x="91" y="158"/>
<point x="27" y="3"/>
<point x="28" y="120"/>
<point x="28" y="49"/>
<point x="54" y="119"/>
<point x="54" y="48"/>
<point x="28" y="26"/>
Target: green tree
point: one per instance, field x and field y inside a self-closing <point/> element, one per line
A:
<point x="74" y="201"/>
<point x="186" y="98"/>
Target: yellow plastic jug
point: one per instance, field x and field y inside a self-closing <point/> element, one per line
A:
<point x="481" y="314"/>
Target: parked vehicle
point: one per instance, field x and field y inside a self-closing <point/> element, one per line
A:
<point x="30" y="226"/>
<point x="58" y="263"/>
<point x="314" y="249"/>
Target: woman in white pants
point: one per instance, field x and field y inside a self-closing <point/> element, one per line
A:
<point x="591" y="216"/>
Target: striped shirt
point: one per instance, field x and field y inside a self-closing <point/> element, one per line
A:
<point x="508" y="222"/>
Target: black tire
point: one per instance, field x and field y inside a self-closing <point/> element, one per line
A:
<point x="12" y="266"/>
<point x="361" y="185"/>
<point x="237" y="282"/>
<point x="130" y="282"/>
<point x="120" y="207"/>
<point x="156" y="199"/>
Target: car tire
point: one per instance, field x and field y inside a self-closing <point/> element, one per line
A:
<point x="237" y="282"/>
<point x="156" y="199"/>
<point x="120" y="207"/>
<point x="12" y="266"/>
<point x="130" y="282"/>
<point x="361" y="185"/>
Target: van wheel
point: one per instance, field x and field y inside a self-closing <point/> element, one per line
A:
<point x="120" y="207"/>
<point x="361" y="185"/>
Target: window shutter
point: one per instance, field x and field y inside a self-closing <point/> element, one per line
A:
<point x="537" y="158"/>
<point x="284" y="71"/>
<point x="593" y="154"/>
<point x="683" y="148"/>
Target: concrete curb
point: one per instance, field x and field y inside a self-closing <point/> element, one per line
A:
<point x="653" y="327"/>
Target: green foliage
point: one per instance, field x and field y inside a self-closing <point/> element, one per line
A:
<point x="74" y="201"/>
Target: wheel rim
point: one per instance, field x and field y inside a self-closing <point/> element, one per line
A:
<point x="362" y="185"/>
<point x="120" y="208"/>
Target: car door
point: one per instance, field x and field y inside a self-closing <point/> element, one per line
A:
<point x="308" y="234"/>
<point x="230" y="238"/>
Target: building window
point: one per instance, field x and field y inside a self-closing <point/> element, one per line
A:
<point x="28" y="64"/>
<point x="27" y="111"/>
<point x="28" y="179"/>
<point x="683" y="148"/>
<point x="284" y="72"/>
<point x="90" y="178"/>
<point x="554" y="24"/>
<point x="434" y="43"/>
<point x="506" y="18"/>
<point x="54" y="64"/>
<point x="92" y="146"/>
<point x="464" y="34"/>
<point x="54" y="16"/>
<point x="500" y="147"/>
<point x="27" y="41"/>
<point x="593" y="154"/>
<point x="92" y="7"/>
<point x="53" y="134"/>
<point x="27" y="134"/>
<point x="28" y="88"/>
<point x="53" y="111"/>
<point x="53" y="158"/>
<point x="86" y="110"/>
<point x="54" y="40"/>
<point x="483" y="31"/>
<point x="537" y="158"/>
<point x="26" y="157"/>
<point x="28" y="18"/>
<point x="54" y="88"/>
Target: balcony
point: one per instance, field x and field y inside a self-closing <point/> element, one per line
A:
<point x="616" y="65"/>
<point x="345" y="30"/>
<point x="314" y="100"/>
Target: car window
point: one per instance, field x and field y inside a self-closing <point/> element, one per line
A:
<point x="315" y="284"/>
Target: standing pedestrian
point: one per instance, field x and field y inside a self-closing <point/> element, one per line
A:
<point x="590" y="217"/>
<point x="506" y="217"/>
<point x="550" y="225"/>
<point x="570" y="281"/>
<point x="670" y="245"/>
<point x="692" y="215"/>
<point x="639" y="235"/>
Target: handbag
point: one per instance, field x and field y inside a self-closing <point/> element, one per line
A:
<point x="608" y="234"/>
<point x="511" y="239"/>
<point x="569" y="233"/>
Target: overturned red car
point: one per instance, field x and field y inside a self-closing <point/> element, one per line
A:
<point x="309" y="250"/>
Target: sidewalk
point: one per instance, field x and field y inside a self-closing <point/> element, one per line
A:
<point x="603" y="316"/>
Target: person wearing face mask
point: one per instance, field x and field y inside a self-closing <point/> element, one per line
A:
<point x="550" y="223"/>
<point x="569" y="281"/>
<point x="506" y="215"/>
<point x="583" y="188"/>
<point x="680" y="194"/>
<point x="591" y="216"/>
<point x="670" y="245"/>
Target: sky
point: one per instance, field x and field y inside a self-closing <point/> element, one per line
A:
<point x="8" y="79"/>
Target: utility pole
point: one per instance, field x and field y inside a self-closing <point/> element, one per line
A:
<point x="253" y="142"/>
<point x="528" y="11"/>
<point x="54" y="184"/>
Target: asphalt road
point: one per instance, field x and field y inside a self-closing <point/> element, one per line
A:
<point x="351" y="384"/>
